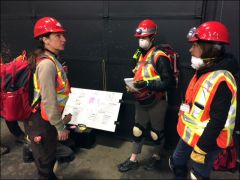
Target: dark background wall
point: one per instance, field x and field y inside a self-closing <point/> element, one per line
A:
<point x="100" y="40"/>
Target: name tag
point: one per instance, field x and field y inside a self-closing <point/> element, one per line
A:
<point x="185" y="107"/>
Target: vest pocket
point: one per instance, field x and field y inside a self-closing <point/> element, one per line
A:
<point x="197" y="110"/>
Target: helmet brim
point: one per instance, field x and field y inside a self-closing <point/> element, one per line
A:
<point x="193" y="39"/>
<point x="142" y="35"/>
<point x="55" y="31"/>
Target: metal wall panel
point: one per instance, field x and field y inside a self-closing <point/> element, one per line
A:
<point x="17" y="33"/>
<point x="66" y="10"/>
<point x="16" y="9"/>
<point x="157" y="9"/>
<point x="100" y="41"/>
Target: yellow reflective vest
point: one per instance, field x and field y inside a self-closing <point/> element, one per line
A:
<point x="199" y="95"/>
<point x="62" y="87"/>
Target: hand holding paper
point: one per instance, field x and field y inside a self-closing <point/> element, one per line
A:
<point x="67" y="118"/>
<point x="140" y="84"/>
<point x="130" y="85"/>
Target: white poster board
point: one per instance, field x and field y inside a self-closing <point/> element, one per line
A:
<point x="96" y="109"/>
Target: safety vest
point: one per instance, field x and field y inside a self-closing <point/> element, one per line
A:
<point x="62" y="87"/>
<point x="144" y="69"/>
<point x="199" y="95"/>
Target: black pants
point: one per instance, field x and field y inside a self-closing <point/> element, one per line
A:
<point x="44" y="153"/>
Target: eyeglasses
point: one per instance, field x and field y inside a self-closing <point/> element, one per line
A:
<point x="192" y="33"/>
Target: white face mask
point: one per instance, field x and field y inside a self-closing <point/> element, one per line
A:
<point x="144" y="43"/>
<point x="197" y="63"/>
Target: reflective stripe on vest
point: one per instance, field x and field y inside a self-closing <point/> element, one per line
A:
<point x="145" y="70"/>
<point x="191" y="125"/>
<point x="62" y="88"/>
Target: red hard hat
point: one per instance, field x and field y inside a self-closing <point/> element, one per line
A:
<point x="46" y="25"/>
<point x="145" y="28"/>
<point x="210" y="31"/>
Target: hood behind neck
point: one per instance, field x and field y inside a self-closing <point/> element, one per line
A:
<point x="226" y="62"/>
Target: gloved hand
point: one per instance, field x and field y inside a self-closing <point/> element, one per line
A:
<point x="140" y="84"/>
<point x="198" y="155"/>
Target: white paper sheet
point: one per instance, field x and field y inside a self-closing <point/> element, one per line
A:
<point x="96" y="109"/>
<point x="129" y="83"/>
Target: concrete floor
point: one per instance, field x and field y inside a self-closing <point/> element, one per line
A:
<point x="99" y="162"/>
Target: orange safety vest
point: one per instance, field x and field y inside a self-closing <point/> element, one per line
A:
<point x="144" y="69"/>
<point x="199" y="95"/>
<point x="62" y="88"/>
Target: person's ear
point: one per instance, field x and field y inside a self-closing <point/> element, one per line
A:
<point x="45" y="40"/>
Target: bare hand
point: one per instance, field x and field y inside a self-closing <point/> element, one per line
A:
<point x="67" y="118"/>
<point x="63" y="135"/>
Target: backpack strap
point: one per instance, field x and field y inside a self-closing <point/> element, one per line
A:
<point x="41" y="58"/>
<point x="3" y="74"/>
<point x="152" y="59"/>
<point x="153" y="62"/>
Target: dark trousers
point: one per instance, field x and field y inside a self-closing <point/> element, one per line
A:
<point x="14" y="128"/>
<point x="44" y="153"/>
<point x="64" y="152"/>
<point x="181" y="156"/>
<point x="155" y="115"/>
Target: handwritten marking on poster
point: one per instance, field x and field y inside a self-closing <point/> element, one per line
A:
<point x="96" y="109"/>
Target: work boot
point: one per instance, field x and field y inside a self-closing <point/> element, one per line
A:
<point x="152" y="163"/>
<point x="27" y="154"/>
<point x="128" y="165"/>
<point x="60" y="167"/>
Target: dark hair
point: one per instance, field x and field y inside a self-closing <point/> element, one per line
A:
<point x="38" y="43"/>
<point x="211" y="49"/>
<point x="38" y="48"/>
